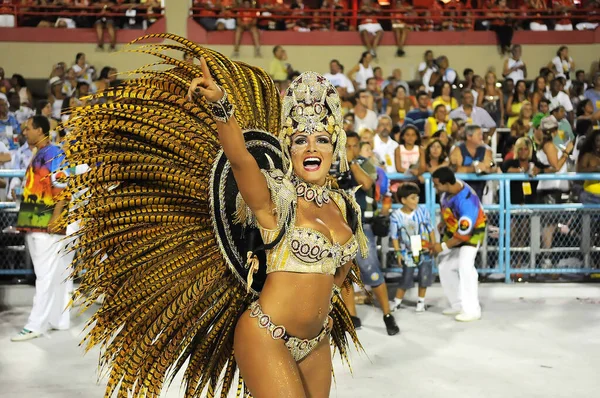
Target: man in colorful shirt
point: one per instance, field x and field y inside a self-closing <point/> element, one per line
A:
<point x="463" y="230"/>
<point x="38" y="215"/>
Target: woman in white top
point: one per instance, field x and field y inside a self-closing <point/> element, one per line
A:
<point x="19" y="86"/>
<point x="555" y="161"/>
<point x="56" y="98"/>
<point x="70" y="85"/>
<point x="563" y="65"/>
<point x="409" y="151"/>
<point x="514" y="67"/>
<point x="81" y="69"/>
<point x="363" y="71"/>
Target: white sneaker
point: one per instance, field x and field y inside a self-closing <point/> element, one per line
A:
<point x="420" y="306"/>
<point x="462" y="317"/>
<point x="25" y="335"/>
<point x="451" y="311"/>
<point x="395" y="305"/>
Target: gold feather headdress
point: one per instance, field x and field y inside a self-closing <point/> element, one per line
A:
<point x="312" y="105"/>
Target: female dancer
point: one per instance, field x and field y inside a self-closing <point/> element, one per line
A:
<point x="169" y="221"/>
<point x="297" y="291"/>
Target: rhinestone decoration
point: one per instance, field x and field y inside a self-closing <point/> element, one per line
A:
<point x="278" y="332"/>
<point x="264" y="321"/>
<point x="299" y="348"/>
<point x="311" y="192"/>
<point x="311" y="104"/>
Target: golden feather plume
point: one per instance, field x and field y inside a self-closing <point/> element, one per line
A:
<point x="146" y="240"/>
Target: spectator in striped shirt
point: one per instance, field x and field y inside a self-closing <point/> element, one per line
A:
<point x="412" y="236"/>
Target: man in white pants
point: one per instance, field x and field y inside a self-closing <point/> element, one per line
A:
<point x="40" y="209"/>
<point x="463" y="229"/>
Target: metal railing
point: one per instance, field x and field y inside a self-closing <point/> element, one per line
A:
<point x="433" y="17"/>
<point x="21" y="12"/>
<point x="520" y="229"/>
<point x="499" y="247"/>
<point x="14" y="258"/>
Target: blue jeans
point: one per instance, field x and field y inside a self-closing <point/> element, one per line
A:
<point x="425" y="273"/>
<point x="370" y="267"/>
<point x="589" y="198"/>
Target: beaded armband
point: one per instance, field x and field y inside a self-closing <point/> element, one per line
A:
<point x="336" y="290"/>
<point x="222" y="110"/>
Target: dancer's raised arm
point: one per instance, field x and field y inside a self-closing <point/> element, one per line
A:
<point x="250" y="180"/>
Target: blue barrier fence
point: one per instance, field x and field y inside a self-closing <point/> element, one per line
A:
<point x="10" y="174"/>
<point x="588" y="216"/>
<point x="506" y="211"/>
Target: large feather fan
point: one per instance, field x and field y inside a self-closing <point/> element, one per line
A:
<point x="146" y="241"/>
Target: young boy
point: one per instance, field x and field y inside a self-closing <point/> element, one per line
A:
<point x="412" y="220"/>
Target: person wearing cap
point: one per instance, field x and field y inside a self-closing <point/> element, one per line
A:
<point x="565" y="132"/>
<point x="553" y="160"/>
<point x="535" y="133"/>
<point x="56" y="96"/>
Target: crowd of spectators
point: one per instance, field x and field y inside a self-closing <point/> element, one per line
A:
<point x="104" y="15"/>
<point x="445" y="119"/>
<point x="399" y="16"/>
<point x="68" y="85"/>
<point x="547" y="124"/>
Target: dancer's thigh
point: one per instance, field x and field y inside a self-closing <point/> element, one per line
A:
<point x="266" y="365"/>
<point x="315" y="371"/>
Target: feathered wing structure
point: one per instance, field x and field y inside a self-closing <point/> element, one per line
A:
<point x="147" y="240"/>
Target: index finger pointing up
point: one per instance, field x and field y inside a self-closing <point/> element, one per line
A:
<point x="205" y="70"/>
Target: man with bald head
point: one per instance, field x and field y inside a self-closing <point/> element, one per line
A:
<point x="385" y="146"/>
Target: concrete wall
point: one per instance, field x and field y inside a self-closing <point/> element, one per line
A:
<point x="35" y="60"/>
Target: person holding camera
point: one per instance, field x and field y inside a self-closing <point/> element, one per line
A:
<point x="473" y="156"/>
<point x="444" y="73"/>
<point x="363" y="174"/>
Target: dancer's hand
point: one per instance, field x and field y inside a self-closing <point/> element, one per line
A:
<point x="437" y="249"/>
<point x="204" y="86"/>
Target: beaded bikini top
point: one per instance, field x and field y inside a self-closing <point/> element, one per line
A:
<point x="308" y="250"/>
<point x="303" y="249"/>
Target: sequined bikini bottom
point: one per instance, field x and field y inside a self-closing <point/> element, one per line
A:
<point x="299" y="348"/>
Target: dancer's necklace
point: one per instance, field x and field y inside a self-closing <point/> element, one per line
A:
<point x="311" y="192"/>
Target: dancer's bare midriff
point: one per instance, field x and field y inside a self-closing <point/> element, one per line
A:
<point x="300" y="302"/>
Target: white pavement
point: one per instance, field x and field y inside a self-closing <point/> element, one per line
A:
<point x="533" y="341"/>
